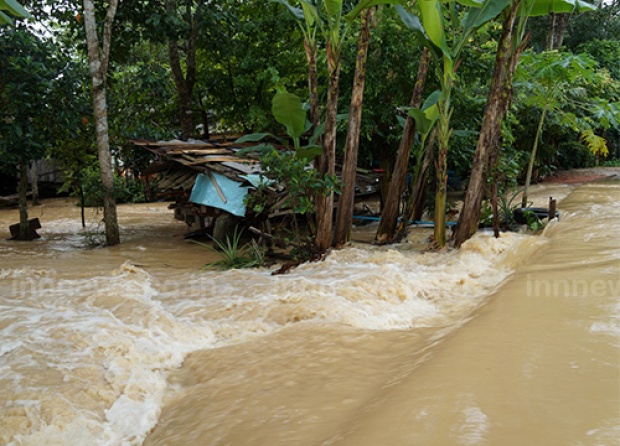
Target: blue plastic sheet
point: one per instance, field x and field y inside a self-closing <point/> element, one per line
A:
<point x="205" y="193"/>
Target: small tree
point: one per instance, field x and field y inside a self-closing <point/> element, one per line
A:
<point x="28" y="72"/>
<point x="553" y="80"/>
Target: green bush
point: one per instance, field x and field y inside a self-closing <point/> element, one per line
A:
<point x="126" y="190"/>
<point x="574" y="155"/>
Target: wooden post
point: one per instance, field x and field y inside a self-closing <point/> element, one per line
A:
<point x="552" y="208"/>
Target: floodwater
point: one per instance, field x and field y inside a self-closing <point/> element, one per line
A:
<point x="514" y="341"/>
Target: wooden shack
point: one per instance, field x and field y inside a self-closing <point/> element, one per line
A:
<point x="208" y="180"/>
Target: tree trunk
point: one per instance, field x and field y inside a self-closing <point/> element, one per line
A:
<point x="184" y="82"/>
<point x="389" y="216"/>
<point x="552" y="24"/>
<point x="562" y="25"/>
<point x="327" y="161"/>
<point x="490" y="131"/>
<point x="24" y="230"/>
<point x="558" y="23"/>
<point x="98" y="70"/>
<point x="530" y="166"/>
<point x="315" y="115"/>
<point x="344" y="216"/>
<point x="204" y="113"/>
<point x="441" y="169"/>
<point x="33" y="177"/>
<point x="415" y="205"/>
<point x="106" y="167"/>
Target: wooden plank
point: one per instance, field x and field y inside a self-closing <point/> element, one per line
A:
<point x="217" y="187"/>
<point x="208" y="152"/>
<point x="219" y="159"/>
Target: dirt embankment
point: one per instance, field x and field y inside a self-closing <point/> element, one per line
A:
<point x="576" y="176"/>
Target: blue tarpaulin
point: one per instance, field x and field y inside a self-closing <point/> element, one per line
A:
<point x="205" y="193"/>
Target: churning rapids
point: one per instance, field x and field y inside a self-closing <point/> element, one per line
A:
<point x="511" y="341"/>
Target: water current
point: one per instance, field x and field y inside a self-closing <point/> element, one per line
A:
<point x="509" y="341"/>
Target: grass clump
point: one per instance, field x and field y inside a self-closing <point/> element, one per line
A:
<point x="235" y="255"/>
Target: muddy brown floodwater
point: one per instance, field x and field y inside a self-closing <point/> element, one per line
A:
<point x="513" y="341"/>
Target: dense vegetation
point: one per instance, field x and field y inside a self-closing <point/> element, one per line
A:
<point x="198" y="68"/>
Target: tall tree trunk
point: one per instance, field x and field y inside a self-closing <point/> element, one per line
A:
<point x="562" y="25"/>
<point x="441" y="167"/>
<point x="98" y="58"/>
<point x="24" y="230"/>
<point x="311" y="51"/>
<point x="327" y="161"/>
<point x="552" y="24"/>
<point x="530" y="165"/>
<point x="557" y="23"/>
<point x="344" y="216"/>
<point x="33" y="178"/>
<point x="184" y="82"/>
<point x="415" y="204"/>
<point x="490" y="131"/>
<point x="204" y="113"/>
<point x="389" y="216"/>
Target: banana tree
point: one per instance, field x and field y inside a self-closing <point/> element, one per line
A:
<point x="447" y="43"/>
<point x="344" y="215"/>
<point x="308" y="22"/>
<point x="334" y="26"/>
<point x="510" y="46"/>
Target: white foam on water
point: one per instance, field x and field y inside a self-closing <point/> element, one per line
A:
<point x="610" y="325"/>
<point x="90" y="356"/>
<point x="85" y="361"/>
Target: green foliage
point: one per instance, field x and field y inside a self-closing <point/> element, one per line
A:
<point x="562" y="87"/>
<point x="29" y="77"/>
<point x="289" y="168"/>
<point x="301" y="183"/>
<point x="12" y="8"/>
<point x="533" y="222"/>
<point x="605" y="52"/>
<point x="126" y="190"/>
<point x="601" y="24"/>
<point x="234" y="254"/>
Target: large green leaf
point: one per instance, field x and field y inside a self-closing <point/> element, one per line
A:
<point x="476" y="17"/>
<point x="426" y="117"/>
<point x="364" y="4"/>
<point x="544" y="7"/>
<point x="288" y="111"/>
<point x="254" y="137"/>
<point x="14" y="8"/>
<point x="297" y="12"/>
<point x="308" y="152"/>
<point x="432" y="20"/>
<point x="5" y="19"/>
<point x="471" y="3"/>
<point x="310" y="12"/>
<point x="333" y="8"/>
<point x="413" y="22"/>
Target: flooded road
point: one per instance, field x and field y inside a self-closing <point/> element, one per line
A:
<point x="506" y="342"/>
